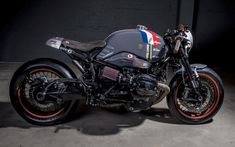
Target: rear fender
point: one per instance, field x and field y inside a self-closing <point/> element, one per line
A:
<point x="48" y="62"/>
<point x="51" y="63"/>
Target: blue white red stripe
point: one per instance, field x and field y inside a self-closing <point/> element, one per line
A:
<point x="149" y="37"/>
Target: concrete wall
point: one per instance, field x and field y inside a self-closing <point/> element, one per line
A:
<point x="214" y="31"/>
<point x="28" y="24"/>
<point x="33" y="22"/>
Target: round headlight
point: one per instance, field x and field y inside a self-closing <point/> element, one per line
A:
<point x="189" y="37"/>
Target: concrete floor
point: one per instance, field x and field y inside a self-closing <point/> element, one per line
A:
<point x="155" y="128"/>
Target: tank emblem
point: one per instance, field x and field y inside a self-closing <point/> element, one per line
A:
<point x="130" y="56"/>
<point x="149" y="37"/>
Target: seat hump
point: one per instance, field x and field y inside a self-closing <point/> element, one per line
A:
<point x="84" y="46"/>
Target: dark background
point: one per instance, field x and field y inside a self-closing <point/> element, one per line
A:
<point x="27" y="24"/>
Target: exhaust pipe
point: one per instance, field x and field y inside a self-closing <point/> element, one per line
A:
<point x="165" y="88"/>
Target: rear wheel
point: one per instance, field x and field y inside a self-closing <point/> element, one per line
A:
<point x="26" y="93"/>
<point x="196" y="108"/>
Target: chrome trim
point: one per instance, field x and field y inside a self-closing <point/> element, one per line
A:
<point x="141" y="27"/>
<point x="55" y="42"/>
<point x="189" y="37"/>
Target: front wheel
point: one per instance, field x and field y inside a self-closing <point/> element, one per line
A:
<point x="200" y="107"/>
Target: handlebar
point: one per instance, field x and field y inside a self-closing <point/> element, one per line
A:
<point x="176" y="36"/>
<point x="177" y="46"/>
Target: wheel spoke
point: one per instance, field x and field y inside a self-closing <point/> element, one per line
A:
<point x="190" y="107"/>
<point x="36" y="104"/>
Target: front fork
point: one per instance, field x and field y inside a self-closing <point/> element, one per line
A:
<point x="191" y="72"/>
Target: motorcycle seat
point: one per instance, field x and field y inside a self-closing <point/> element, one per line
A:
<point x="82" y="46"/>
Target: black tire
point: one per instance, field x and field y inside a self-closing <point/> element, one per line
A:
<point x="20" y="101"/>
<point x="212" y="78"/>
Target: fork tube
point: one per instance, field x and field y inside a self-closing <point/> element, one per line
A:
<point x="188" y="69"/>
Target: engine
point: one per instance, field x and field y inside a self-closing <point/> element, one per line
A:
<point x="146" y="92"/>
<point x="146" y="85"/>
<point x="142" y="87"/>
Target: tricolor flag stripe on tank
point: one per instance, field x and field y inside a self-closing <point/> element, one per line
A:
<point x="149" y="37"/>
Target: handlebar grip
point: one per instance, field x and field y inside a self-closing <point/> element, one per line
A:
<point x="177" y="46"/>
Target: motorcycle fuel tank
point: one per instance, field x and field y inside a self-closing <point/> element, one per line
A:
<point x="132" y="48"/>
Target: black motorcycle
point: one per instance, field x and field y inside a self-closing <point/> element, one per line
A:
<point x="129" y="68"/>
